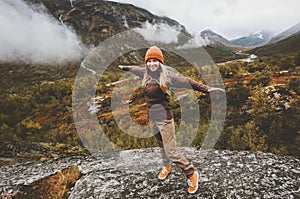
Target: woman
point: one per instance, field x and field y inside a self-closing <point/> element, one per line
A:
<point x="156" y="81"/>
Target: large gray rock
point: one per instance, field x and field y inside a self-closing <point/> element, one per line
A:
<point x="133" y="174"/>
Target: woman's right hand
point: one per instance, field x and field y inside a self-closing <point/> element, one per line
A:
<point x="214" y="89"/>
<point x="120" y="66"/>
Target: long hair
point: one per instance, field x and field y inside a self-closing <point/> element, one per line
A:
<point x="163" y="79"/>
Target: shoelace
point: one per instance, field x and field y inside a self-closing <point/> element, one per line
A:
<point x="190" y="183"/>
<point x="164" y="170"/>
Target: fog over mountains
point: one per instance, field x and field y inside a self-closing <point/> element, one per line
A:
<point x="47" y="31"/>
<point x="29" y="33"/>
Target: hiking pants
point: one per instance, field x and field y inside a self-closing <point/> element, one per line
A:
<point x="164" y="132"/>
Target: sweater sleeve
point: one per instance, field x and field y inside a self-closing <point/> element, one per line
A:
<point x="139" y="71"/>
<point x="179" y="81"/>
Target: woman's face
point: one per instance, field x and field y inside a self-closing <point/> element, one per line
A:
<point x="153" y="64"/>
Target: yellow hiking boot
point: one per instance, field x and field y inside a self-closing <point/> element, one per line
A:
<point x="193" y="182"/>
<point x="164" y="172"/>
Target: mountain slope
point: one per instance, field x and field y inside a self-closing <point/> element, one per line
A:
<point x="293" y="30"/>
<point x="97" y="20"/>
<point x="212" y="38"/>
<point x="288" y="45"/>
<point x="253" y="39"/>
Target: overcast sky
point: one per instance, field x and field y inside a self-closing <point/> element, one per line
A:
<point x="230" y="18"/>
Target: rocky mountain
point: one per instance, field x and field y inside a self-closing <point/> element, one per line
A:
<point x="253" y="39"/>
<point x="133" y="174"/>
<point x="285" y="34"/>
<point x="210" y="37"/>
<point x="286" y="42"/>
<point x="96" y="20"/>
<point x="288" y="45"/>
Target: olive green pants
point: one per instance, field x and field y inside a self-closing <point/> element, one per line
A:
<point x="164" y="132"/>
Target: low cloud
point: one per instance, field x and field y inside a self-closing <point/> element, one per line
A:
<point x="230" y="18"/>
<point x="162" y="32"/>
<point x="29" y="34"/>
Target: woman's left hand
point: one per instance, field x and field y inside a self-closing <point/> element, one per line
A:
<point x="214" y="89"/>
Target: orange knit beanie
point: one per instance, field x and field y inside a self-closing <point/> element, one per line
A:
<point x="154" y="52"/>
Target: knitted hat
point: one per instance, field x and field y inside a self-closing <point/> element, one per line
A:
<point x="154" y="52"/>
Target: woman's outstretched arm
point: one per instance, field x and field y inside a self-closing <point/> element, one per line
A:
<point x="139" y="71"/>
<point x="186" y="82"/>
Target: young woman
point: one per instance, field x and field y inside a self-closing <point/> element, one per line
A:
<point x="156" y="81"/>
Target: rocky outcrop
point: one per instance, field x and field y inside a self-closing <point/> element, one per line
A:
<point x="133" y="174"/>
